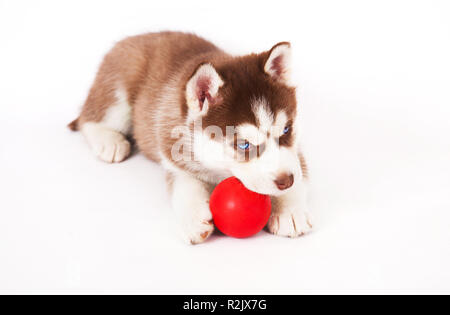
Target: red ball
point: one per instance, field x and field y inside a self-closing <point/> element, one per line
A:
<point x="237" y="211"/>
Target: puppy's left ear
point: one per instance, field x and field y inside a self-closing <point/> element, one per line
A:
<point x="278" y="62"/>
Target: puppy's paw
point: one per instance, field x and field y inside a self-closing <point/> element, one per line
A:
<point x="196" y="232"/>
<point x="290" y="223"/>
<point x="112" y="148"/>
<point x="197" y="225"/>
<point x="108" y="145"/>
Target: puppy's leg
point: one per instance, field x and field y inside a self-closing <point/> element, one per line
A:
<point x="290" y="216"/>
<point x="105" y="121"/>
<point x="190" y="201"/>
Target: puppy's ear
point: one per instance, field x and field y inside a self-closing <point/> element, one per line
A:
<point x="278" y="62"/>
<point x="202" y="89"/>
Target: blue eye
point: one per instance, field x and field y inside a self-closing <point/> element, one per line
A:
<point x="244" y="146"/>
<point x="286" y="130"/>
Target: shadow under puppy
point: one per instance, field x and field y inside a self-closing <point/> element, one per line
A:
<point x="204" y="115"/>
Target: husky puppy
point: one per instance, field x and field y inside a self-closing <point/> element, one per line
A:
<point x="204" y="115"/>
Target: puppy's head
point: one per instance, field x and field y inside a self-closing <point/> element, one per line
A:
<point x="247" y="111"/>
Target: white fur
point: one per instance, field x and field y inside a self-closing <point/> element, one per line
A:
<point x="212" y="157"/>
<point x="263" y="114"/>
<point x="118" y="116"/>
<point x="290" y="216"/>
<point x="252" y="134"/>
<point x="190" y="201"/>
<point x="280" y="123"/>
<point x="167" y="164"/>
<point x="285" y="52"/>
<point x="106" y="138"/>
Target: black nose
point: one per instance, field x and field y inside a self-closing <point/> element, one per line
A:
<point x="284" y="181"/>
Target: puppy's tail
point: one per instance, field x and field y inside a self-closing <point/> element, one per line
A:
<point x="74" y="125"/>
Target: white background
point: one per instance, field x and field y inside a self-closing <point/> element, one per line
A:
<point x="374" y="92"/>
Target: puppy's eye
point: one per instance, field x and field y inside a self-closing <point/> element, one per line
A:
<point x="286" y="130"/>
<point x="244" y="146"/>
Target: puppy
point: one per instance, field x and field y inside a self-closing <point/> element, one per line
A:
<point x="204" y="115"/>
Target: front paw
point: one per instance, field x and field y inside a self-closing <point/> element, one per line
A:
<point x="196" y="231"/>
<point x="290" y="223"/>
<point x="195" y="221"/>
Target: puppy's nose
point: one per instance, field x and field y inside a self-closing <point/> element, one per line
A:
<point x="284" y="181"/>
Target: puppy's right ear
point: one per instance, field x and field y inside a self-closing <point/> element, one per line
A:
<point x="202" y="90"/>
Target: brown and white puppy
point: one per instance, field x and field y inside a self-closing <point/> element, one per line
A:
<point x="205" y="116"/>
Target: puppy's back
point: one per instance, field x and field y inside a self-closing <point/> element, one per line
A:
<point x="154" y="58"/>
